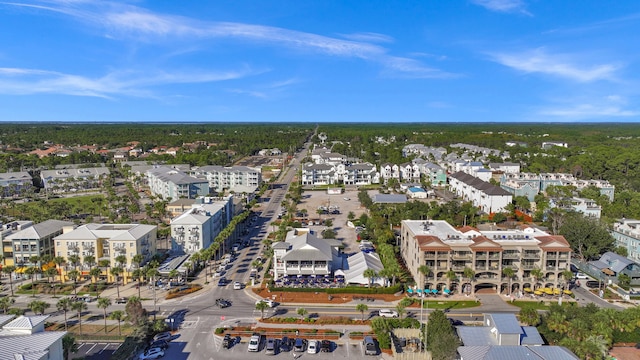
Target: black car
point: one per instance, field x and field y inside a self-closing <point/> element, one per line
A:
<point x="162" y="344"/>
<point x="222" y="281"/>
<point x="286" y="344"/>
<point x="300" y="345"/>
<point x="223" y="303"/>
<point x="325" y="346"/>
<point x="227" y="342"/>
<point x="593" y="284"/>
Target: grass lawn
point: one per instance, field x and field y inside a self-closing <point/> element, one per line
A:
<point x="538" y="305"/>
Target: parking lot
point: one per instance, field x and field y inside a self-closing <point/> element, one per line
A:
<point x="351" y="349"/>
<point x="95" y="351"/>
<point x="312" y="200"/>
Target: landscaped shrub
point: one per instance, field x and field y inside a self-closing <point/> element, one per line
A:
<point x="183" y="291"/>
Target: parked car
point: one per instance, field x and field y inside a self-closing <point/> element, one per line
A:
<point x="370" y="347"/>
<point x="166" y="336"/>
<point x="223" y="303"/>
<point x="388" y="313"/>
<point x="325" y="346"/>
<point x="271" y="347"/>
<point x="162" y="344"/>
<point x="121" y="300"/>
<point x="269" y="302"/>
<point x="312" y="348"/>
<point x="227" y="341"/>
<point x="580" y="275"/>
<point x="153" y="353"/>
<point x="300" y="345"/>
<point x="237" y="285"/>
<point x="593" y="284"/>
<point x="254" y="343"/>
<point x="286" y="344"/>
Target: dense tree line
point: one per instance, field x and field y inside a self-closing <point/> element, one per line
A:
<point x="228" y="142"/>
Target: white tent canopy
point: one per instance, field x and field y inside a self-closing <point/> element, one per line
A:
<point x="358" y="263"/>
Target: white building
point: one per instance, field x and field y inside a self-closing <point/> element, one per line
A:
<point x="74" y="179"/>
<point x="173" y="184"/>
<point x="14" y="183"/>
<point x="25" y="338"/>
<point x="489" y="198"/>
<point x="237" y="179"/>
<point x="197" y="228"/>
<point x="302" y="253"/>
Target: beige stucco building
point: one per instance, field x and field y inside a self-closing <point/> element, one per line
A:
<point x="443" y="248"/>
<point x="107" y="241"/>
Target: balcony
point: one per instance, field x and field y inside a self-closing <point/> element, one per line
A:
<point x="429" y="255"/>
<point x="532" y="255"/>
<point x="457" y="267"/>
<point x="511" y="255"/>
<point x="528" y="266"/>
<point x="461" y="256"/>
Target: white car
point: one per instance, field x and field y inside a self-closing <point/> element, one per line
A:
<point x="254" y="343"/>
<point x="152" y="353"/>
<point x="269" y="302"/>
<point x="312" y="348"/>
<point x="166" y="336"/>
<point x="581" y="276"/>
<point x="388" y="313"/>
<point x="237" y="285"/>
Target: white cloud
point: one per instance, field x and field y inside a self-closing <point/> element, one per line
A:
<point x="560" y="65"/>
<point x="505" y="6"/>
<point x="368" y="37"/>
<point x="609" y="106"/>
<point x="126" y="21"/>
<point x="17" y="81"/>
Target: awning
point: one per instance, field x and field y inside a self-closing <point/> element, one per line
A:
<point x="608" y="271"/>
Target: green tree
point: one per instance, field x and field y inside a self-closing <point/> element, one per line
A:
<point x="509" y="273"/>
<point x="537" y="274"/>
<point x="588" y="238"/>
<point x="104" y="303"/>
<point x="79" y="306"/>
<point x="5" y="303"/>
<point x="371" y="275"/>
<point x="9" y="269"/>
<point x="38" y="306"/>
<point x="302" y="312"/>
<point x="425" y="271"/>
<point x="95" y="272"/>
<point x="401" y="310"/>
<point x="362" y="308"/>
<point x="119" y="316"/>
<point x="440" y="338"/>
<point x="136" y="314"/>
<point x="469" y="274"/>
<point x="64" y="305"/>
<point x="262" y="306"/>
<point x="74" y="275"/>
<point x="529" y="315"/>
<point x="69" y="345"/>
<point x="116" y="272"/>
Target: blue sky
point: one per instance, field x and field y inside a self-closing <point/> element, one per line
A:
<point x="320" y="61"/>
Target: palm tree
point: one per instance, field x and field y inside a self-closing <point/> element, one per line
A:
<point x="74" y="275"/>
<point x="425" y="271"/>
<point x="69" y="345"/>
<point x="74" y="260"/>
<point x="121" y="260"/>
<point x="362" y="308"/>
<point x="59" y="260"/>
<point x="262" y="306"/>
<point x="104" y="303"/>
<point x="138" y="274"/>
<point x="469" y="274"/>
<point x="31" y="271"/>
<point x="451" y="277"/>
<point x="115" y="272"/>
<point x="95" y="273"/>
<point x="537" y="275"/>
<point x="400" y="308"/>
<point x="371" y="275"/>
<point x="5" y="303"/>
<point x="508" y="272"/>
<point x="117" y="315"/>
<point x="9" y="269"/>
<point x="302" y="312"/>
<point x="89" y="260"/>
<point x="104" y="264"/>
<point x="64" y="305"/>
<point x="79" y="306"/>
<point x="38" y="306"/>
<point x="567" y="275"/>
